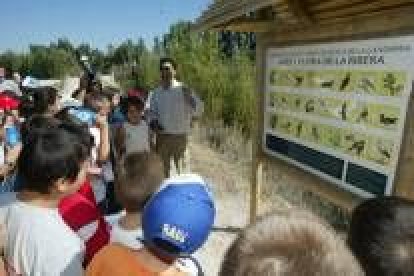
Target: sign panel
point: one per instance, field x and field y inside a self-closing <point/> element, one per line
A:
<point x="338" y="110"/>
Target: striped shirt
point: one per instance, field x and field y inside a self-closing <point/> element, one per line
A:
<point x="172" y="110"/>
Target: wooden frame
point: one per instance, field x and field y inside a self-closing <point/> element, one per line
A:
<point x="298" y="22"/>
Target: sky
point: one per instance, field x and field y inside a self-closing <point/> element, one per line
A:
<point x="97" y="22"/>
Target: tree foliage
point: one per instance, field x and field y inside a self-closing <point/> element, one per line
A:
<point x="218" y="66"/>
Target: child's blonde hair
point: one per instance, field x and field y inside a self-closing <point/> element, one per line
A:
<point x="139" y="176"/>
<point x="290" y="242"/>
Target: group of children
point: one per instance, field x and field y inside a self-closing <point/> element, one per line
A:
<point x="65" y="166"/>
<point x="74" y="162"/>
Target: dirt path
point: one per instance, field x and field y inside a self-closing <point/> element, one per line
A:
<point x="230" y="188"/>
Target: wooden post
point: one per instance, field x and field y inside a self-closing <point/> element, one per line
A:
<point x="257" y="132"/>
<point x="404" y="176"/>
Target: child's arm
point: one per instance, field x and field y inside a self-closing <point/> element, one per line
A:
<point x="10" y="160"/>
<point x="151" y="138"/>
<point x="104" y="147"/>
<point x="13" y="153"/>
<point x="120" y="147"/>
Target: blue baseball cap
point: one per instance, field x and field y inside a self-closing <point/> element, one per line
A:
<point x="179" y="216"/>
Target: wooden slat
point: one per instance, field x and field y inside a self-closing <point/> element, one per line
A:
<point x="353" y="10"/>
<point x="237" y="11"/>
<point x="375" y="22"/>
<point x="300" y="11"/>
<point x="335" y="4"/>
<point x="234" y="9"/>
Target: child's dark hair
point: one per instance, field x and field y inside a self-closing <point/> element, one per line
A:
<point x="137" y="102"/>
<point x="55" y="150"/>
<point x="168" y="60"/>
<point x="138" y="177"/>
<point x="37" y="101"/>
<point x="93" y="100"/>
<point x="381" y="236"/>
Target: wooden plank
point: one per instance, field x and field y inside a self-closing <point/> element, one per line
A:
<point x="300" y="11"/>
<point x="257" y="26"/>
<point x="233" y="11"/>
<point x="257" y="130"/>
<point x="354" y="10"/>
<point x="336" y="4"/>
<point x="404" y="182"/>
<point x="376" y="22"/>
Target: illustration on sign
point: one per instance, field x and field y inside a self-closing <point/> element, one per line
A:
<point x="347" y="100"/>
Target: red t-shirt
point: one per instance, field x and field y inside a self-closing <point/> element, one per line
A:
<point x="83" y="216"/>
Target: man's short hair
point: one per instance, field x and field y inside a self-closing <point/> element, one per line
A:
<point x="290" y="242"/>
<point x="381" y="236"/>
<point x="169" y="60"/>
<point x="138" y="177"/>
<point x="56" y="150"/>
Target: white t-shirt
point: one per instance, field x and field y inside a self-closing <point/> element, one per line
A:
<point x="136" y="137"/>
<point x="128" y="238"/>
<point x="38" y="242"/>
<point x="132" y="239"/>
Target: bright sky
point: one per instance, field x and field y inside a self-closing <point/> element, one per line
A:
<point x="98" y="22"/>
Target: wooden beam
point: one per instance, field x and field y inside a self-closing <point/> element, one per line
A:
<point x="256" y="26"/>
<point x="375" y="22"/>
<point x="256" y="180"/>
<point x="224" y="14"/>
<point x="300" y="11"/>
<point x="403" y="183"/>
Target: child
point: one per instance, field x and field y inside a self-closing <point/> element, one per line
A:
<point x="53" y="163"/>
<point x="176" y="221"/>
<point x="10" y="147"/>
<point x="101" y="171"/>
<point x="139" y="177"/>
<point x="81" y="212"/>
<point x="289" y="243"/>
<point x="381" y="236"/>
<point x="133" y="136"/>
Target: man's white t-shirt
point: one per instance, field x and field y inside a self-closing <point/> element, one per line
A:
<point x="38" y="242"/>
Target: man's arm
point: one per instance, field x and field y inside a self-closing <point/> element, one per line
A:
<point x="193" y="101"/>
<point x="151" y="107"/>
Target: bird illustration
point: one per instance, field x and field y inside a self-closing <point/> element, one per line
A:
<point x="387" y="120"/>
<point x="299" y="80"/>
<point x="343" y="111"/>
<point x="310" y="106"/>
<point x="299" y="129"/>
<point x="328" y="84"/>
<point x="363" y="115"/>
<point x="358" y="146"/>
<point x="315" y="133"/>
<point x="345" y="82"/>
<point x="297" y="102"/>
<point x="384" y="152"/>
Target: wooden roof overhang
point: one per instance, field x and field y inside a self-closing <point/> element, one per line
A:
<point x="297" y="17"/>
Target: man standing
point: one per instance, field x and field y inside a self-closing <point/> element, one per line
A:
<point x="171" y="108"/>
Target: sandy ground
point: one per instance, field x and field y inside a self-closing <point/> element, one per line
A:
<point x="230" y="190"/>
